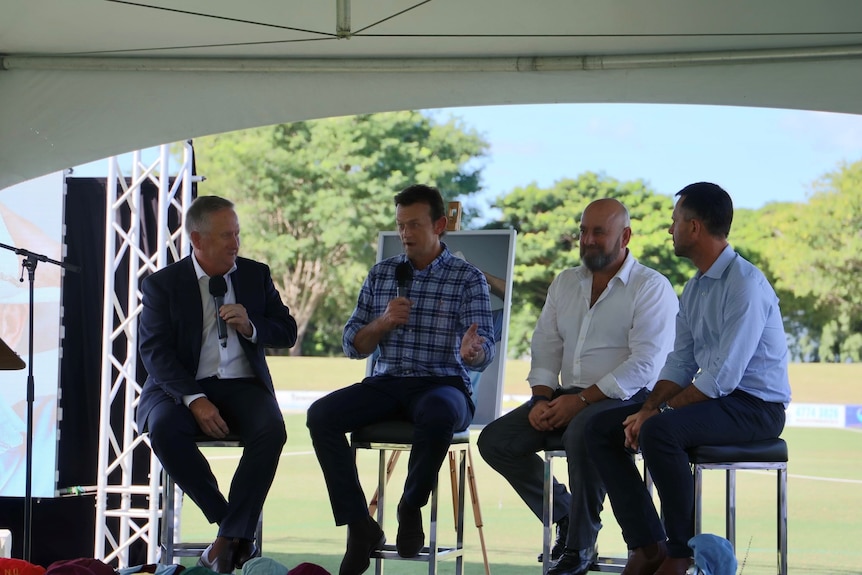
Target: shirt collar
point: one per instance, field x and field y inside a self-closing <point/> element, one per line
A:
<point x="440" y="259"/>
<point x="724" y="259"/>
<point x="625" y="271"/>
<point x="200" y="273"/>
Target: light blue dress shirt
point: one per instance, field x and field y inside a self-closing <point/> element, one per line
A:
<point x="729" y="334"/>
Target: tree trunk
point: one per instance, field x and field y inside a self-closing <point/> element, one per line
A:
<point x="296" y="350"/>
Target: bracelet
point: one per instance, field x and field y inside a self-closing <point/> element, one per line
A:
<point x="584" y="399"/>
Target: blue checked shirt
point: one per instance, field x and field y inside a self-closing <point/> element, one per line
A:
<point x="448" y="297"/>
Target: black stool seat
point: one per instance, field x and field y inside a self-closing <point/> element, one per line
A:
<point x="766" y="451"/>
<point x="553" y="442"/>
<point x="394" y="432"/>
<point x="229" y="440"/>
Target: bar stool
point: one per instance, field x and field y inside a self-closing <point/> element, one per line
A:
<point x="397" y="436"/>
<point x="770" y="454"/>
<point x="172" y="504"/>
<point x="552" y="448"/>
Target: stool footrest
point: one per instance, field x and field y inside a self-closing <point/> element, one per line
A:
<point x="389" y="552"/>
<point x="189" y="549"/>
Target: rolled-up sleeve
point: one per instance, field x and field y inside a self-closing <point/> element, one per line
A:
<point x="477" y="309"/>
<point x="362" y="315"/>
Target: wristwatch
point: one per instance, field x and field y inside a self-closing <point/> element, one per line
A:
<point x="664" y="407"/>
<point x="536" y="399"/>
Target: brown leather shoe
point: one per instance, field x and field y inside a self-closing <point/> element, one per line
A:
<point x="245" y="551"/>
<point x="219" y="555"/>
<point x="645" y="560"/>
<point x="674" y="566"/>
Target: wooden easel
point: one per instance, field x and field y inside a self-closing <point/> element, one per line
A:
<point x="453" y="476"/>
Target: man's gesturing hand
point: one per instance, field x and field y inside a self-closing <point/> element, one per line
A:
<point x="471" y="346"/>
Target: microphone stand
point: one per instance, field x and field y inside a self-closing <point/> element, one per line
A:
<point x="30" y="261"/>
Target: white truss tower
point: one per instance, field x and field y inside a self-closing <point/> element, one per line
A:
<point x="126" y="511"/>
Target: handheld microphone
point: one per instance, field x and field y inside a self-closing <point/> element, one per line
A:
<point x="218" y="287"/>
<point x="403" y="275"/>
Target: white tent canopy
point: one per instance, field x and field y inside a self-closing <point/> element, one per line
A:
<point x="91" y="78"/>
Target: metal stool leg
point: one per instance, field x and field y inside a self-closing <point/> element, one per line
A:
<point x="730" y="507"/>
<point x="547" y="510"/>
<point x="782" y="521"/>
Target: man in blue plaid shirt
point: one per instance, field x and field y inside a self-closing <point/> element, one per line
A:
<point x="425" y="342"/>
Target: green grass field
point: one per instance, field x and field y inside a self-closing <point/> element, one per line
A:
<point x="825" y="491"/>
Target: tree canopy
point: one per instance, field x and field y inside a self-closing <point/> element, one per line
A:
<point x="317" y="193"/>
<point x="548" y="221"/>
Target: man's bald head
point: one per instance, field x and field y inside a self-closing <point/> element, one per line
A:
<point x="609" y="209"/>
<point x="605" y="233"/>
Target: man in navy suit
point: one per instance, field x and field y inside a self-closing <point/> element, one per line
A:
<point x="201" y="383"/>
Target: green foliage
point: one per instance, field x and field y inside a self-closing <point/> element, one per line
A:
<point x="812" y="254"/>
<point x="316" y="194"/>
<point x="548" y="220"/>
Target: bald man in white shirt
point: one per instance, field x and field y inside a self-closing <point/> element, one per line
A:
<point x="603" y="334"/>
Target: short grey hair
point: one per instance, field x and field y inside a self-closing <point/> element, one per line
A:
<point x="197" y="218"/>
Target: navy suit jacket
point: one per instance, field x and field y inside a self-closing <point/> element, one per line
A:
<point x="171" y="325"/>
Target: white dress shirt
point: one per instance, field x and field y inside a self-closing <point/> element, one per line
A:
<point x="228" y="362"/>
<point x="620" y="343"/>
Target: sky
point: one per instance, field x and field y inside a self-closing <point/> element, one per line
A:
<point x="758" y="155"/>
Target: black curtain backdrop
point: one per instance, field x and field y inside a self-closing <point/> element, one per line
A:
<point x="64" y="528"/>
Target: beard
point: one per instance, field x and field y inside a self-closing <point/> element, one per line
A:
<point x="599" y="260"/>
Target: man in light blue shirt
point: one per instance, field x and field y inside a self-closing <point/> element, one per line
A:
<point x="724" y="382"/>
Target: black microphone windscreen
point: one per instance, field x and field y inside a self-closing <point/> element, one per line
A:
<point x="403" y="273"/>
<point x="218" y="286"/>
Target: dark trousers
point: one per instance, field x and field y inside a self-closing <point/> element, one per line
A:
<point x="437" y="407"/>
<point x="664" y="438"/>
<point x="252" y="413"/>
<point x="510" y="444"/>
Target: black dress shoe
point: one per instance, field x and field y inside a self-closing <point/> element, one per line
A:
<point x="574" y="562"/>
<point x="221" y="561"/>
<point x="245" y="551"/>
<point x="410" y="538"/>
<point x="560" y="542"/>
<point x="363" y="538"/>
